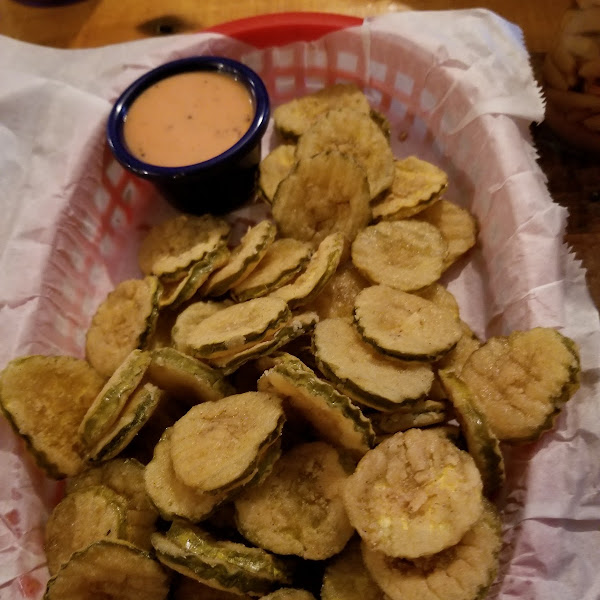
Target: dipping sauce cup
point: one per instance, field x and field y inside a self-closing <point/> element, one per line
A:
<point x="193" y="127"/>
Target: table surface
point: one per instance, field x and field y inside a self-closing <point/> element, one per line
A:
<point x="573" y="176"/>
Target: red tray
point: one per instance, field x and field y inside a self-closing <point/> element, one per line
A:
<point x="278" y="29"/>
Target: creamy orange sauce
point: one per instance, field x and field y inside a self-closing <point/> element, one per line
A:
<point x="188" y="118"/>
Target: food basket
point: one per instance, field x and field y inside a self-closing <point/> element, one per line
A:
<point x="461" y="101"/>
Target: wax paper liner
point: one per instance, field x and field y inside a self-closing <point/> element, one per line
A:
<point x="458" y="91"/>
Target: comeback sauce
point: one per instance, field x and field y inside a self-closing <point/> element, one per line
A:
<point x="188" y="118"/>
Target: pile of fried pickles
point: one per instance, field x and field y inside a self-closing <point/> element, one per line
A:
<point x="301" y="413"/>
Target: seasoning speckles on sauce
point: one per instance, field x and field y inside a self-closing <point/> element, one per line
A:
<point x="188" y="118"/>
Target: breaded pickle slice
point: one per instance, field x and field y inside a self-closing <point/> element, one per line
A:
<point x="405" y="255"/>
<point x="325" y="192"/>
<point x="81" y="518"/>
<point x="192" y="315"/>
<point x="414" y="494"/>
<point x="112" y="398"/>
<point x="186" y="377"/>
<point x="123" y="322"/>
<point x="234" y="328"/>
<point x="347" y="578"/>
<point x="284" y="259"/>
<point x="333" y="415"/>
<point x="215" y="445"/>
<point x="243" y="260"/>
<point x="422" y="413"/>
<point x="175" y="244"/>
<point x="457" y="225"/>
<point x="462" y="572"/>
<point x="356" y="134"/>
<point x="298" y="509"/>
<point x="482" y="444"/>
<point x="417" y="184"/>
<point x="440" y="296"/>
<point x="363" y="373"/>
<point x="520" y="382"/>
<point x="320" y="268"/>
<point x="125" y="476"/>
<point x="170" y="495"/>
<point x="457" y="357"/>
<point x="110" y="570"/>
<point x="220" y="564"/>
<point x="293" y="118"/>
<point x="337" y="296"/>
<point x="140" y="407"/>
<point x="177" y="293"/>
<point x="275" y="167"/>
<point x="61" y="388"/>
<point x="298" y="325"/>
<point x="404" y="325"/>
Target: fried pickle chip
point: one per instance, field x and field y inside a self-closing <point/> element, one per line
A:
<point x="243" y="260"/>
<point x="364" y="374"/>
<point x="111" y="570"/>
<point x="325" y="192"/>
<point x="175" y="244"/>
<point x="421" y="413"/>
<point x="405" y="255"/>
<point x="347" y="578"/>
<point x="333" y="415"/>
<point x="170" y="495"/>
<point x="139" y="409"/>
<point x="462" y="572"/>
<point x="457" y="225"/>
<point x="414" y="494"/>
<point x="177" y="292"/>
<point x="45" y="398"/>
<point x="81" y="518"/>
<point x="440" y="296"/>
<point x="482" y="444"/>
<point x="337" y="296"/>
<point x="355" y="134"/>
<point x="191" y="317"/>
<point x="186" y="377"/>
<point x="125" y="476"/>
<point x="284" y="259"/>
<point x="112" y="398"/>
<point x="221" y="564"/>
<point x="298" y="325"/>
<point x="293" y="118"/>
<point x="234" y="328"/>
<point x="417" y="185"/>
<point x="275" y="167"/>
<point x="275" y="514"/>
<point x="123" y="322"/>
<point x="403" y="325"/>
<point x="216" y="445"/>
<point x="320" y="268"/>
<point x="457" y="357"/>
<point x="520" y="382"/>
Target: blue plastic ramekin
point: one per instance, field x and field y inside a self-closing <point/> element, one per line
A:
<point x="219" y="184"/>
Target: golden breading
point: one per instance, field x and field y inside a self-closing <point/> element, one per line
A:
<point x="298" y="508"/>
<point x="45" y="398"/>
<point x="464" y="571"/>
<point x="124" y="321"/>
<point x="413" y="495"/>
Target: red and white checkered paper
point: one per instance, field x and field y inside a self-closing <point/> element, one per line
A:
<point x="458" y="91"/>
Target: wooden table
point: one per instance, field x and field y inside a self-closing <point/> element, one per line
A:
<point x="573" y="177"/>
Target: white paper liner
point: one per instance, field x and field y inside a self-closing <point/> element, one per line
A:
<point x="459" y="85"/>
